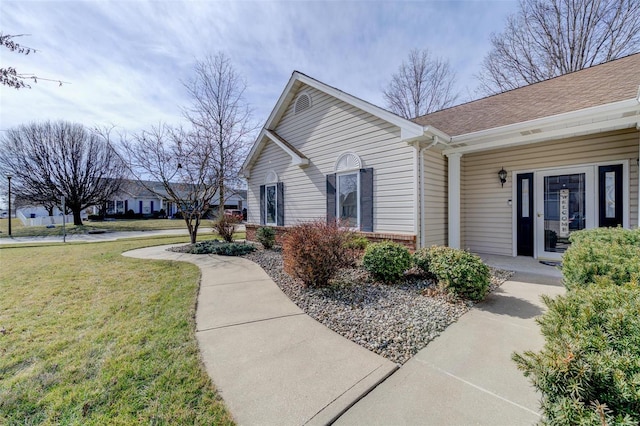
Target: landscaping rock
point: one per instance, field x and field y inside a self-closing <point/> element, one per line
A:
<point x="393" y="320"/>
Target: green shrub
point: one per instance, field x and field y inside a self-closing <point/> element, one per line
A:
<point x="356" y="242"/>
<point x="461" y="272"/>
<point x="221" y="248"/>
<point x="602" y="252"/>
<point x="314" y="252"/>
<point x="422" y="259"/>
<point x="225" y="226"/>
<point x="387" y="261"/>
<point x="266" y="236"/>
<point x="589" y="369"/>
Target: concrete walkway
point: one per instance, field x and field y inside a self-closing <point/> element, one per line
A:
<point x="466" y="375"/>
<point x="274" y="365"/>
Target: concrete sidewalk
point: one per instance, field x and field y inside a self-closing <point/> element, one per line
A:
<point x="466" y="375"/>
<point x="96" y="237"/>
<point x="272" y="364"/>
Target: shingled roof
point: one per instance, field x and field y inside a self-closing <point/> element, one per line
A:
<point x="599" y="85"/>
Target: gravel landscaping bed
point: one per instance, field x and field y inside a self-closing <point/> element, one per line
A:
<point x="395" y="321"/>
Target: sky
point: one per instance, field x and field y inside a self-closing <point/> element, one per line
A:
<point x="124" y="63"/>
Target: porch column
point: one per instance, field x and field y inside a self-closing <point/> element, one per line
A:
<point x="454" y="199"/>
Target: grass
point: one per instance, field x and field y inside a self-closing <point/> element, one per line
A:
<point x="19" y="230"/>
<point x="90" y="337"/>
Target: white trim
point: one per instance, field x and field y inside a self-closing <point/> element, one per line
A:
<point x="271" y="177"/>
<point x="296" y="159"/>
<point x="595" y="197"/>
<point x="591" y="210"/>
<point x="346" y="156"/>
<point x="454" y="198"/>
<point x="614" y="116"/>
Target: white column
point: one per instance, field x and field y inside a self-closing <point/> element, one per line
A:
<point x="454" y="199"/>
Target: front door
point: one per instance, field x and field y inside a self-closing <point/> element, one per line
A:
<point x="525" y="215"/>
<point x="565" y="203"/>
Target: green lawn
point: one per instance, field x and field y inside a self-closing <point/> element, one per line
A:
<point x="89" y="337"/>
<point x="18" y="230"/>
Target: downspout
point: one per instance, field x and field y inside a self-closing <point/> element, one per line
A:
<point x="422" y="219"/>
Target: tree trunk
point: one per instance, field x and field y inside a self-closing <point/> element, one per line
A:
<point x="77" y="219"/>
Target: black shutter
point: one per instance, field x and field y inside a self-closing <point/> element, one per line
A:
<point x="280" y="206"/>
<point x="331" y="198"/>
<point x="262" y="218"/>
<point x="366" y="200"/>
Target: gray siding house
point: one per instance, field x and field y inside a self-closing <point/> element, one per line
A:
<point x="511" y="174"/>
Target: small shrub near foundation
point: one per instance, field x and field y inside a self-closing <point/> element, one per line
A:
<point x="315" y="251"/>
<point x="387" y="261"/>
<point x="461" y="272"/>
<point x="266" y="236"/>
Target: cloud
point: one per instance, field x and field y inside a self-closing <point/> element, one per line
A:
<point x="126" y="60"/>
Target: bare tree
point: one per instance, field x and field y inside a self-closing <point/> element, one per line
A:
<point x="50" y="160"/>
<point x="220" y="115"/>
<point x="184" y="162"/>
<point x="9" y="76"/>
<point x="547" y="38"/>
<point x="422" y="85"/>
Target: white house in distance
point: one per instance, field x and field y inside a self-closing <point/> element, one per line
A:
<point x="136" y="197"/>
<point x="510" y="174"/>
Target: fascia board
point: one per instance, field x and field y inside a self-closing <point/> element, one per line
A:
<point x="580" y="115"/>
<point x="571" y="123"/>
<point x="296" y="159"/>
<point x="564" y="132"/>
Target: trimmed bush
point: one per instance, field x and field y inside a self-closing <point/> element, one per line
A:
<point x="225" y="226"/>
<point x="356" y="242"/>
<point x="221" y="248"/>
<point x="461" y="272"/>
<point x="266" y="236"/>
<point x="613" y="253"/>
<point x="314" y="252"/>
<point x="387" y="261"/>
<point x="589" y="369"/>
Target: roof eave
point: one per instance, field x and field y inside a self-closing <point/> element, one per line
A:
<point x="609" y="117"/>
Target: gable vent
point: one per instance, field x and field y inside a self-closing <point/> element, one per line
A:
<point x="302" y="103"/>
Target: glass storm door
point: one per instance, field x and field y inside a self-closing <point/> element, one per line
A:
<point x="565" y="204"/>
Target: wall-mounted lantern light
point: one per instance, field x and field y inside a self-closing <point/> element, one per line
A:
<point x="502" y="174"/>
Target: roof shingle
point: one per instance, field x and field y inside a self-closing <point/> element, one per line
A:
<point x="599" y="85"/>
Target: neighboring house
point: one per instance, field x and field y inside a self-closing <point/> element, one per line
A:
<point x="140" y="199"/>
<point x="568" y="148"/>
